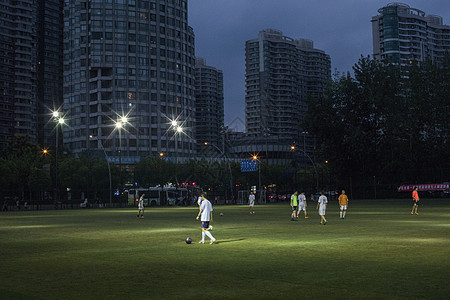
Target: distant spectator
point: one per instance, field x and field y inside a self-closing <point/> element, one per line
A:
<point x="25" y="205"/>
<point x="5" y="205"/>
<point x="85" y="203"/>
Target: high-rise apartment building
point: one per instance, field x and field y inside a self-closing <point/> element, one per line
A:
<point x="402" y="35"/>
<point x="209" y="104"/>
<point x="18" y="80"/>
<point x="280" y="74"/>
<point x="31" y="64"/>
<point x="49" y="69"/>
<point x="132" y="59"/>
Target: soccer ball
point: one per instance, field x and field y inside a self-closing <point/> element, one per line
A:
<point x="188" y="240"/>
<point x="221" y="214"/>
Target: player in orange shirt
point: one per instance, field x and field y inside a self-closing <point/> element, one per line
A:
<point x="343" y="203"/>
<point x="415" y="198"/>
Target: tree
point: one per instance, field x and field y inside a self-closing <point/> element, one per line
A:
<point x="152" y="171"/>
<point x="22" y="168"/>
<point x="88" y="174"/>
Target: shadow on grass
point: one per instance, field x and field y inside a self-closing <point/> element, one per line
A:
<point x="228" y="241"/>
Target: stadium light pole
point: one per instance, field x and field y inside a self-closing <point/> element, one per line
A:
<point x="109" y="172"/>
<point x="293" y="148"/>
<point x="178" y="130"/>
<point x="59" y="122"/>
<point x="119" y="125"/>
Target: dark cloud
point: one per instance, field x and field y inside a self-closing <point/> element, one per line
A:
<point x="340" y="28"/>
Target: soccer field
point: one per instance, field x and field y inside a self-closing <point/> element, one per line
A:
<point x="380" y="251"/>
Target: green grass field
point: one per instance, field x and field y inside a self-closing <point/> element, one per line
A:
<point x="379" y="251"/>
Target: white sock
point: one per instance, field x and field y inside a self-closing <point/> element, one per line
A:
<point x="203" y="236"/>
<point x="341" y="214"/>
<point x="209" y="235"/>
<point x="344" y="213"/>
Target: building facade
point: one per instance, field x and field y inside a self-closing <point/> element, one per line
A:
<point x="281" y="73"/>
<point x="132" y="59"/>
<point x="31" y="64"/>
<point x="402" y="35"/>
<point x="49" y="90"/>
<point x="209" y="102"/>
<point x="18" y="79"/>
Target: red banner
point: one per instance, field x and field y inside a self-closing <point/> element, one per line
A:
<point x="424" y="187"/>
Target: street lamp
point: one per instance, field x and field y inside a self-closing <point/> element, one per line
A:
<point x="255" y="157"/>
<point x="312" y="162"/>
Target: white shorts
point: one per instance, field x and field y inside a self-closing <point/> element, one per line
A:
<point x="322" y="210"/>
<point x="140" y="207"/>
<point x="343" y="207"/>
<point x="301" y="206"/>
<point x="252" y="204"/>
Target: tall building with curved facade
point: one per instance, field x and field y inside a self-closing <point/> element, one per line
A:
<point x="402" y="35"/>
<point x="133" y="59"/>
<point x="280" y="74"/>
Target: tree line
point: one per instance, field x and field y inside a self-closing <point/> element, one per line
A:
<point x="385" y="125"/>
<point x="29" y="173"/>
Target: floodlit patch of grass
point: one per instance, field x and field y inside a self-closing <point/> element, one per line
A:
<point x="379" y="251"/>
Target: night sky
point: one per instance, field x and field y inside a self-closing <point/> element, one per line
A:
<point x="341" y="28"/>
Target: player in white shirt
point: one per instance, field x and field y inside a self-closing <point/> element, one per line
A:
<point x="205" y="213"/>
<point x="302" y="204"/>
<point x="140" y="214"/>
<point x="251" y="202"/>
<point x="322" y="206"/>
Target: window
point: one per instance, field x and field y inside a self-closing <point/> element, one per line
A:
<point x="121" y="25"/>
<point x="97" y="35"/>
